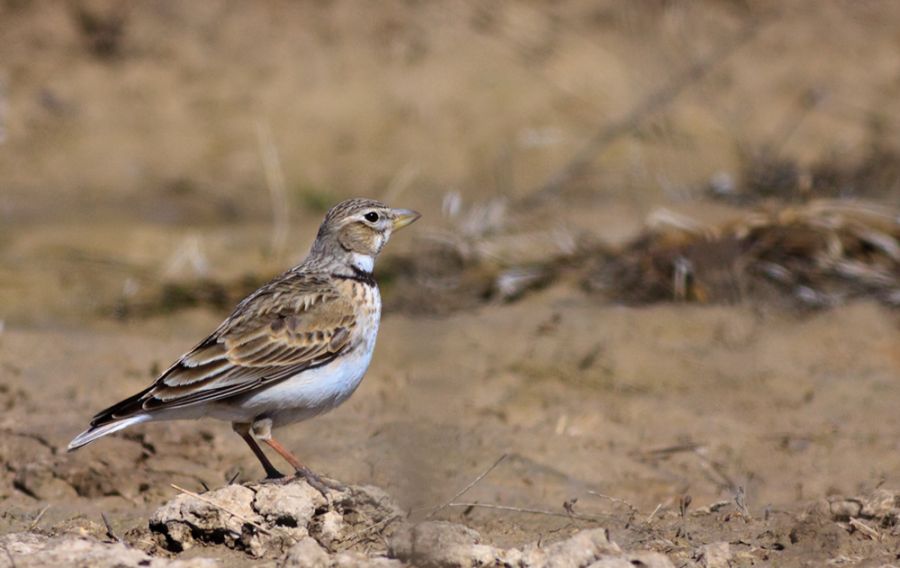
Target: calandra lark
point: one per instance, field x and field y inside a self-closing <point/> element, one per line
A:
<point x="297" y="347"/>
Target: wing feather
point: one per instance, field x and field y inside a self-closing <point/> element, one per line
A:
<point x="294" y="323"/>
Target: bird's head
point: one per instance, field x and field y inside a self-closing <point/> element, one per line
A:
<point x="359" y="229"/>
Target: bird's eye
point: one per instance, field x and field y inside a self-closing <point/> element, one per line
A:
<point x="371" y="216"/>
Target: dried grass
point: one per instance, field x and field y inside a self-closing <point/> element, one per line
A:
<point x="816" y="255"/>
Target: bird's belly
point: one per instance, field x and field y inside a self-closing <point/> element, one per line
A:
<point x="309" y="393"/>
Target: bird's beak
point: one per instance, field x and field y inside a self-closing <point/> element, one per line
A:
<point x="403" y="217"/>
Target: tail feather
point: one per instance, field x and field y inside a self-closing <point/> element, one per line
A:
<point x="101" y="430"/>
<point x="117" y="417"/>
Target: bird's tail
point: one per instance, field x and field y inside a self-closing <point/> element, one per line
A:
<point x="101" y="430"/>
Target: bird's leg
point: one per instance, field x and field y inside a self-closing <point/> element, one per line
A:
<point x="262" y="429"/>
<point x="243" y="430"/>
<point x="301" y="470"/>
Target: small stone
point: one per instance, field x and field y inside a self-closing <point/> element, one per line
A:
<point x="642" y="559"/>
<point x="613" y="562"/>
<point x="306" y="554"/>
<point x="715" y="555"/>
<point x="440" y="544"/>
<point x="845" y="509"/>
<point x="580" y="550"/>
<point x="358" y="559"/>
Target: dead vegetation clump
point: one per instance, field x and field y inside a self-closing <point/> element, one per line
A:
<point x="816" y="255"/>
<point x="765" y="174"/>
<point x="879" y="510"/>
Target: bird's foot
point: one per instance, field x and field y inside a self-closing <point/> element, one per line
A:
<point x="320" y="484"/>
<point x="276" y="479"/>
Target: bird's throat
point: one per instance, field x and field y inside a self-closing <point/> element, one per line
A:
<point x="362" y="263"/>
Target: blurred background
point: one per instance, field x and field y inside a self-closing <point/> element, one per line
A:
<point x="207" y="140"/>
<point x="680" y="215"/>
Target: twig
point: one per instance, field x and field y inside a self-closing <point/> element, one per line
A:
<point x="465" y="489"/>
<point x="109" y="530"/>
<point x="4" y="107"/>
<point x="684" y="502"/>
<point x="653" y="514"/>
<point x="740" y="501"/>
<point x="362" y="533"/>
<point x="865" y="529"/>
<point x="631" y="507"/>
<point x="257" y="526"/>
<point x="276" y="184"/>
<point x="526" y="510"/>
<point x="670" y="450"/>
<point x="662" y="97"/>
<point x="38" y="518"/>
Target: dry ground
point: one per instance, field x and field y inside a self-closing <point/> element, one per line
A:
<point x="645" y="405"/>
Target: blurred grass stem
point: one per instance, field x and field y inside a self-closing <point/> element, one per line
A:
<point x="277" y="191"/>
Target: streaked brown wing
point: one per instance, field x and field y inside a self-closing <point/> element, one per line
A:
<point x="292" y="324"/>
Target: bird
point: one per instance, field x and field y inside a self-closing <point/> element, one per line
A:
<point x="293" y="349"/>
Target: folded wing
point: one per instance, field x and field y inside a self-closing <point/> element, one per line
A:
<point x="295" y="323"/>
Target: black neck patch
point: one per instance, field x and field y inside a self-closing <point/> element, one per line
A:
<point x="359" y="275"/>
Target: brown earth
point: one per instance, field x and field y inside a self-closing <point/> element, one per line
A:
<point x="132" y="165"/>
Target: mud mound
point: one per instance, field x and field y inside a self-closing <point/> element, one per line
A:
<point x="267" y="520"/>
<point x="298" y="526"/>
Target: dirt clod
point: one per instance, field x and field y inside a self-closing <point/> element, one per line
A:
<point x="440" y="544"/>
<point x="265" y="520"/>
<point x="187" y="520"/>
<point x="26" y="550"/>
